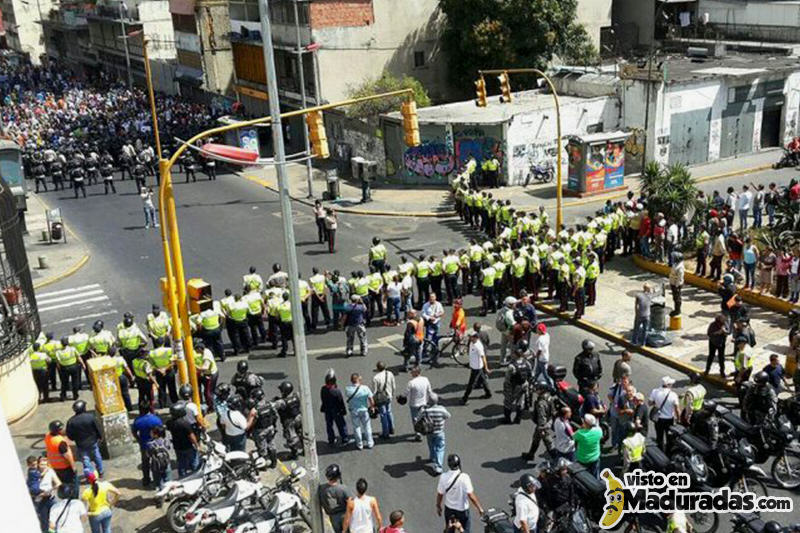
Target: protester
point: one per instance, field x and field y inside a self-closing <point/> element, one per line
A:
<point x="363" y="513"/>
<point x="334" y="409"/>
<point x="335" y="497"/>
<point x="454" y="491"/>
<point x="100" y="498"/>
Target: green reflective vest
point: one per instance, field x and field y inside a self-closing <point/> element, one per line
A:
<point x="488" y="276"/>
<point x="305" y="290"/>
<point x="158" y="326"/>
<point x="67" y="356"/>
<point x="209" y="320"/>
<point x="141" y="368"/>
<point x="423" y="269"/>
<point x="120" y="362"/>
<point x="239" y="311"/>
<point x="254" y="303"/>
<point x="51" y="347"/>
<point x="436" y="268"/>
<point x="593" y="271"/>
<point x="285" y="311"/>
<point x="80" y="341"/>
<point x="318" y="283"/>
<point x="130" y="338"/>
<point x="475" y="253"/>
<point x="518" y="265"/>
<point x="253" y="281"/>
<point x="377" y="252"/>
<point x="101" y="342"/>
<point x="208" y="365"/>
<point x="38" y="359"/>
<point x="450" y="264"/>
<point x="161" y="357"/>
<point x="634" y="446"/>
<point x="698" y="393"/>
<point x="375" y="281"/>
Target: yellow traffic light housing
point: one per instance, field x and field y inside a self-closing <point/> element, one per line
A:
<point x="480" y="91"/>
<point x="505" y="88"/>
<point x="410" y="123"/>
<point x="199" y="293"/>
<point x="317" y="135"/>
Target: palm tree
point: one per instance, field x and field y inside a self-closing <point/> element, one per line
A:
<point x="670" y="190"/>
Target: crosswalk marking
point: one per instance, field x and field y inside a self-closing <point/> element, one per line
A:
<point x="45" y="295"/>
<point x="48" y="301"/>
<point x="80" y="318"/>
<point x="81" y="302"/>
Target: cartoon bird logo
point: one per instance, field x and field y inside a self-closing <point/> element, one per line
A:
<point x="615" y="498"/>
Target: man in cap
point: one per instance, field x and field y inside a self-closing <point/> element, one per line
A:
<point x="665" y="401"/>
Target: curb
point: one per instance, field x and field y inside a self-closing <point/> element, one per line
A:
<point x="644" y="350"/>
<point x="734" y="173"/>
<point x="751" y="297"/>
<point x="70" y="270"/>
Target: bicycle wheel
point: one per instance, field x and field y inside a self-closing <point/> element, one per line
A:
<point x="459" y="354"/>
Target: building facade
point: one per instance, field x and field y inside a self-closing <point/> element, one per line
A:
<point x="66" y="34"/>
<point x="22" y="24"/>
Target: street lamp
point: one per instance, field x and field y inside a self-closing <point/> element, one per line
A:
<point x="650" y="55"/>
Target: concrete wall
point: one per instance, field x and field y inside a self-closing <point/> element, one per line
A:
<point x="389" y="43"/>
<point x="18" y="394"/>
<point x="791" y="110"/>
<point x="639" y="12"/>
<point x="594" y="14"/>
<point x="31" y="36"/>
<point x="157" y="26"/>
<point x="770" y="21"/>
<point x="214" y="25"/>
<point x="532" y="137"/>
<point x="349" y="137"/>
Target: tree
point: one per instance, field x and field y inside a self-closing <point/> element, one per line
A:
<point x="384" y="84"/>
<point x="484" y="34"/>
<point x="670" y="190"/>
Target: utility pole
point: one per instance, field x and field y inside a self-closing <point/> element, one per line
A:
<point x="309" y="439"/>
<point x="299" y="52"/>
<point x="127" y="51"/>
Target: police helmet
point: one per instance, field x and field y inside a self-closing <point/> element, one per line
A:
<point x="509" y="301"/>
<point x="177" y="410"/>
<point x="185" y="392"/>
<point x="79" y="407"/>
<point x="257" y="394"/>
<point x="587" y="345"/>
<point x="242" y="367"/>
<point x="562" y="462"/>
<point x="64" y="341"/>
<point x="772" y="527"/>
<point x="56" y="426"/>
<point x="98" y="326"/>
<point x="694" y="377"/>
<point x="761" y="377"/>
<point x="528" y="482"/>
<point x="710" y="406"/>
<point x="286" y="388"/>
<point x="223" y="391"/>
<point x="333" y="472"/>
<point x="235" y="402"/>
<point x="127" y="319"/>
<point x="453" y="461"/>
<point x="276" y="267"/>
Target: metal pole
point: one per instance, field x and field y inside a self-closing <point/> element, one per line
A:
<point x="309" y="439"/>
<point x="127" y="51"/>
<point x="650" y="54"/>
<point x="149" y="80"/>
<point x="299" y="52"/>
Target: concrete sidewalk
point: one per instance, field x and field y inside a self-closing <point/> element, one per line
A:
<point x="389" y="199"/>
<point x="61" y="259"/>
<point x="620" y="282"/>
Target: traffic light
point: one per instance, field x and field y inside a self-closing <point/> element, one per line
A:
<point x="480" y="91"/>
<point x="316" y="134"/>
<point x="199" y="293"/>
<point x="505" y="88"/>
<point x="410" y="123"/>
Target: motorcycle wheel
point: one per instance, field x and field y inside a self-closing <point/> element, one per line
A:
<point x="548" y="176"/>
<point x="606" y="432"/>
<point x="786" y="471"/>
<point x="749" y="483"/>
<point x="175" y="514"/>
<point x="704" y="522"/>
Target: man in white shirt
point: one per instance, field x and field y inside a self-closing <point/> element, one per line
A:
<point x="418" y="392"/>
<point x="676" y="279"/>
<point x="540" y="348"/>
<point x="432" y="313"/>
<point x="562" y="428"/>
<point x="526" y="508"/>
<point x="383" y="387"/>
<point x="235" y="427"/>
<point x="456" y="492"/>
<point x="478" y="367"/>
<point x="743" y="204"/>
<point x="665" y="401"/>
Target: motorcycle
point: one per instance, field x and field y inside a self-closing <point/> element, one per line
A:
<point x="285" y="508"/>
<point x="775" y="437"/>
<point x="752" y="523"/>
<point x="788" y="159"/>
<point x="243" y="497"/>
<point x="568" y="396"/>
<point x="540" y="173"/>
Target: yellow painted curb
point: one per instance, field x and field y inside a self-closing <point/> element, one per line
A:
<point x="70" y="271"/>
<point x="734" y="173"/>
<point x="644" y="350"/>
<point x="751" y="297"/>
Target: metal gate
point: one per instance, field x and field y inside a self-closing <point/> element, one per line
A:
<point x="689" y="137"/>
<point x="738" y="120"/>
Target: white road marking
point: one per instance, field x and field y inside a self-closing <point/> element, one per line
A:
<point x="66" y="291"/>
<point x="48" y="301"/>
<point x="78" y="318"/>
<point x="73" y="304"/>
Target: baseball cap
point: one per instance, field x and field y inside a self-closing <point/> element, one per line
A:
<point x="667" y="381"/>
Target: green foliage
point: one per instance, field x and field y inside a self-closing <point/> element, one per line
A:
<point x="785" y="233"/>
<point x="485" y="34"/>
<point x="670" y="190"/>
<point x="384" y="84"/>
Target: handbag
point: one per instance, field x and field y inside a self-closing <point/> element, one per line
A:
<point x="654" y="412"/>
<point x="381" y="397"/>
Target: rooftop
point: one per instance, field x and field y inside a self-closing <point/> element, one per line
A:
<point x="679" y="69"/>
<point x="494" y="113"/>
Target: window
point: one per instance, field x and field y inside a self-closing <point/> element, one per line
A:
<point x="594" y="128"/>
<point x="419" y="59"/>
<point x="246" y="10"/>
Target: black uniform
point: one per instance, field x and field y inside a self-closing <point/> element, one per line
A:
<point x="289" y="413"/>
<point x="57" y="174"/>
<point x="264" y="430"/>
<point x="543" y="414"/>
<point x="587" y="368"/>
<point x="246" y="383"/>
<point x="77" y="174"/>
<point x="515" y="386"/>
<point x="760" y="402"/>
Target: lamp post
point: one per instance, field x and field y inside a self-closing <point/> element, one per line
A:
<point x="304" y="103"/>
<point x="650" y="54"/>
<point x="127" y="51"/>
<point x="559" y="207"/>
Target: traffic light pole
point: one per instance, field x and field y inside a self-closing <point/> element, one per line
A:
<point x="299" y="341"/>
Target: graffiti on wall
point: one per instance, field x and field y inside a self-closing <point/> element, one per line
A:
<point x="473" y="142"/>
<point x="524" y="156"/>
<point x="429" y="159"/>
<point x="635" y="143"/>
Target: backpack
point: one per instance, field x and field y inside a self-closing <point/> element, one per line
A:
<point x="158" y="454"/>
<point x="424" y="423"/>
<point x="500" y="323"/>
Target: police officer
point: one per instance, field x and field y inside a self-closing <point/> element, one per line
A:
<point x="285" y="316"/>
<point x="159" y="326"/>
<point x="50" y="347"/>
<point x="488" y="297"/>
<point x="255" y="316"/>
<point x="288" y="407"/>
<point x="125" y="379"/>
<point x="279" y="278"/>
<point x="91" y="164"/>
<point x="211" y="321"/>
<point x="252" y="281"/>
<point x="319" y="298"/>
<point x="131" y="338"/>
<point x="377" y="254"/>
<point x="238" y="310"/>
<point x="163" y="361"/>
<point x="633" y="448"/>
<point x="543" y="413"/>
<point x="225" y="307"/>
<point x="692" y="398"/>
<point x="760" y="402"/>
<point x="423" y="271"/>
<point x="592" y="273"/>
<point x="705" y="423"/>
<point x="451" y="265"/>
<point x="39" y="171"/>
<point x="101" y="341"/>
<point x="69" y="366"/>
<point x="80" y="341"/>
<point x="264" y="427"/>
<point x="587" y="367"/>
<point x="107" y="173"/>
<point x="56" y="170"/>
<point x="39" y="362"/>
<point x="190" y="166"/>
<point x="578" y="291"/>
<point x="207" y="372"/>
<point x="242" y="381"/>
<point x="515" y="385"/>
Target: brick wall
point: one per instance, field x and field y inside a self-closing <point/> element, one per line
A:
<point x="334" y="13"/>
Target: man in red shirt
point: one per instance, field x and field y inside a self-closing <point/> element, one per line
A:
<point x="644" y="234"/>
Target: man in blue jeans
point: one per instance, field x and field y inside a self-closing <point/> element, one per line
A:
<point x="641" y="321"/>
<point x="83" y="430"/>
<point x="142" y="432"/>
<point x="432" y="313"/>
<point x="436" y="438"/>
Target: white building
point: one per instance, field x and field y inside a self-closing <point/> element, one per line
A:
<point x="22" y="23"/>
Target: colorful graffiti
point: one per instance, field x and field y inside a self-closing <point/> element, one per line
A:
<point x="430" y="159"/>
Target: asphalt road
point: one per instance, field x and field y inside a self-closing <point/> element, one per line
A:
<point x="231" y="224"/>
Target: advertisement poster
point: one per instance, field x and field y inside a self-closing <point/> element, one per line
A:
<point x="595" y="168"/>
<point x="248" y="138"/>
<point x="615" y="164"/>
<point x="575" y="152"/>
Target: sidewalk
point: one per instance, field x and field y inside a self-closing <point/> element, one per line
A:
<point x="620" y="282"/>
<point x="389" y="199"/>
<point x="62" y="259"/>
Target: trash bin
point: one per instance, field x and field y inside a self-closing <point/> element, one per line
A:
<point x="658" y="314"/>
<point x="333" y="186"/>
<point x="56" y="231"/>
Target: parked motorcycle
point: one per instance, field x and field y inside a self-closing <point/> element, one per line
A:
<point x="568" y="396"/>
<point x="285" y="508"/>
<point x="539" y="173"/>
<point x="243" y="497"/>
<point x="789" y="158"/>
<point x="752" y="523"/>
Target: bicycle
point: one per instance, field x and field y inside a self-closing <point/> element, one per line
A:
<point x="456" y="344"/>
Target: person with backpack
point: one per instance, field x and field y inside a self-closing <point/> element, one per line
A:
<point x="431" y="423"/>
<point x="515" y="385"/>
<point x="142" y="430"/>
<point x="158" y="458"/>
